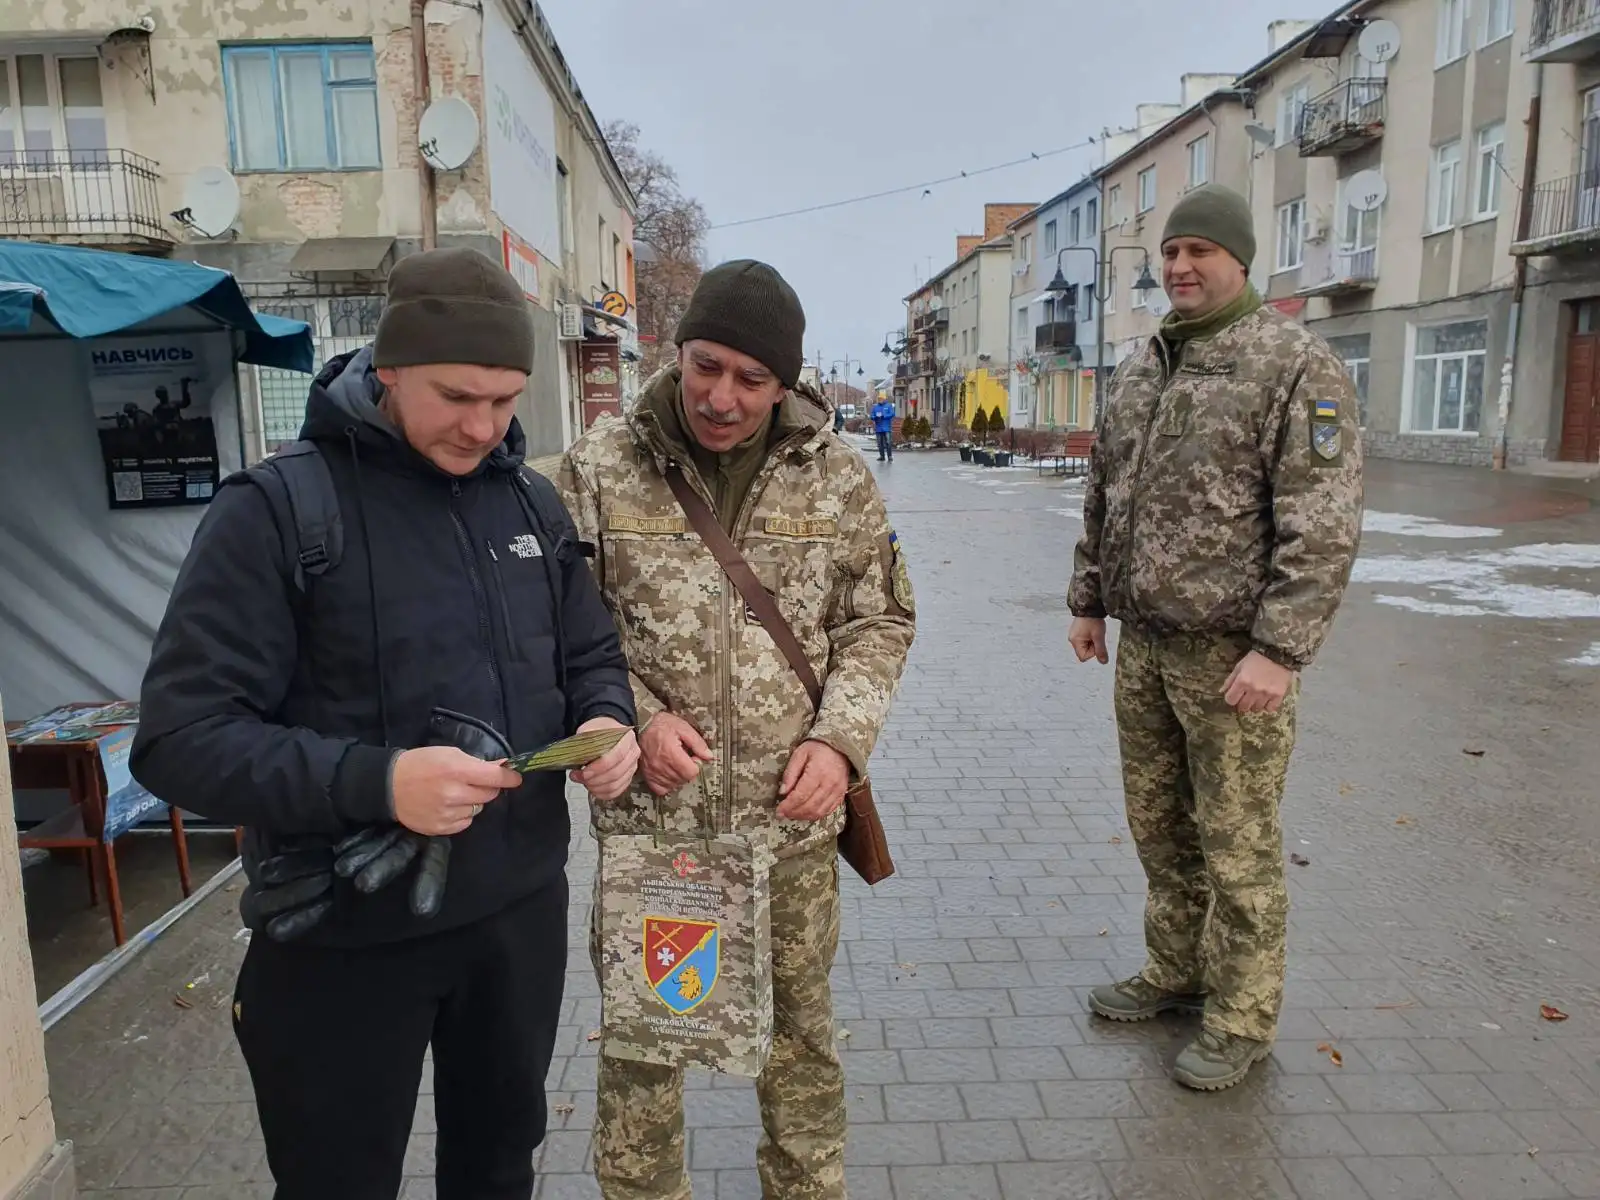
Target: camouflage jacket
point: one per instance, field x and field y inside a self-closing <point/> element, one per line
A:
<point x="815" y="531"/>
<point x="1224" y="490"/>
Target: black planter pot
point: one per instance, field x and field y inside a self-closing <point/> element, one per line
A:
<point x="983" y="458"/>
<point x="966" y="454"/>
<point x="1002" y="458"/>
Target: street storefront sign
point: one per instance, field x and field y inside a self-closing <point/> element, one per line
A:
<point x="600" y="378"/>
<point x="685" y="946"/>
<point x="152" y="405"/>
<point x="523" y="264"/>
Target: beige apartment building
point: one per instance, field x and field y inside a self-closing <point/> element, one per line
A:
<point x="281" y="143"/>
<point x="1386" y="190"/>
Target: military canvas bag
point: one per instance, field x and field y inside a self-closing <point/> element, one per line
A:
<point x="685" y="942"/>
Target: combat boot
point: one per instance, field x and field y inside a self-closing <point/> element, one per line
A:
<point x="1137" y="999"/>
<point x="1215" y="1061"/>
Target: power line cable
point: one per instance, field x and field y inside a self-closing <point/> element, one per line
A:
<point x="910" y="187"/>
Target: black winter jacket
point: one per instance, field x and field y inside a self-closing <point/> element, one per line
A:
<point x="283" y="713"/>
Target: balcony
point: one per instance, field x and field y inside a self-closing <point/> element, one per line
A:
<point x="102" y="198"/>
<point x="1564" y="31"/>
<point x="933" y="318"/>
<point x="902" y="371"/>
<point x="1565" y="216"/>
<point x="1055" y="337"/>
<point x="1345" y="118"/>
<point x="1350" y="272"/>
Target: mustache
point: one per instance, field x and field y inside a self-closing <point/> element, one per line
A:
<point x="710" y="414"/>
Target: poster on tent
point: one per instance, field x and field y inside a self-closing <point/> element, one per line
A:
<point x="152" y="406"/>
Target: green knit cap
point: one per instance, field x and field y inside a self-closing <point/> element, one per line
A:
<point x="1217" y="214"/>
<point x="454" y="305"/>
<point x="747" y="306"/>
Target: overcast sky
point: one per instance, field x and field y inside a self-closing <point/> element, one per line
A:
<point x="765" y="107"/>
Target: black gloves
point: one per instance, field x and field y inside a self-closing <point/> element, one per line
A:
<point x="293" y="890"/>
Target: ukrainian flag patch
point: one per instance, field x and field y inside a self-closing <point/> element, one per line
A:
<point x="1326" y="410"/>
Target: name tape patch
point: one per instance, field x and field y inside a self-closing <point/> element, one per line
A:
<point x="628" y="523"/>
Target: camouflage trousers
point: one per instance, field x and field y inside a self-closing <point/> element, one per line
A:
<point x="638" y="1130"/>
<point x="1203" y="784"/>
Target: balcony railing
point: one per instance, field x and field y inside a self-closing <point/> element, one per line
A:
<point x="1054" y="336"/>
<point x="1344" y="118"/>
<point x="1349" y="271"/>
<point x="1564" y="30"/>
<point x="902" y="370"/>
<point x="1565" y="214"/>
<point x="88" y="197"/>
<point x="932" y="318"/>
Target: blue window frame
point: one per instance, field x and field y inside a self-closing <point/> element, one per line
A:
<point x="302" y="107"/>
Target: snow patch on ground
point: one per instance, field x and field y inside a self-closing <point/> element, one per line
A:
<point x="1589" y="658"/>
<point x="1405" y="525"/>
<point x="1479" y="583"/>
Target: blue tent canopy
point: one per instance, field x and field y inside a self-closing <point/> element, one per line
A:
<point x="89" y="293"/>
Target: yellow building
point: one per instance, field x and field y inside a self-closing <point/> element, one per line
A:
<point x="982" y="389"/>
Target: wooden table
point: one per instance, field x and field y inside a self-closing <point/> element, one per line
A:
<point x="75" y="766"/>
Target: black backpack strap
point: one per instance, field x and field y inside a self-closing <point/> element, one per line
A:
<point x="299" y="486"/>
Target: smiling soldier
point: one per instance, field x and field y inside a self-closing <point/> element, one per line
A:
<point x="726" y="723"/>
<point x="1221" y="521"/>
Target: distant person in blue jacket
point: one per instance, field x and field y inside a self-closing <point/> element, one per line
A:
<point x="883" y="426"/>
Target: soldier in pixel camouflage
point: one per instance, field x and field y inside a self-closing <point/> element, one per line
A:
<point x="1221" y="521"/>
<point x="729" y="738"/>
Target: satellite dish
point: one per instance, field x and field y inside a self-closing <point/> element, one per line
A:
<point x="1366" y="191"/>
<point x="448" y="133"/>
<point x="1158" y="304"/>
<point x="211" y="201"/>
<point x="1379" y="41"/>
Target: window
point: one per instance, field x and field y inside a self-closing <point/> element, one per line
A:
<point x="1022" y="324"/>
<point x="1111" y="291"/>
<point x="1114" y="204"/>
<point x="1138" y="297"/>
<point x="1050" y="246"/>
<point x="1086" y="301"/>
<point x="1447" y="377"/>
<point x="1444" y="184"/>
<point x="1027" y="247"/>
<point x="1356" y="351"/>
<point x="564" y="208"/>
<point x="1291" y="111"/>
<point x="1497" y="20"/>
<point x="601" y="247"/>
<point x="1357" y="256"/>
<point x="1147" y="189"/>
<point x="1452" y="36"/>
<point x="58" y="106"/>
<point x="1291" y="222"/>
<point x="1075" y="227"/>
<point x="302" y="108"/>
<point x="1200" y="161"/>
<point x="1091" y="218"/>
<point x="1491" y="152"/>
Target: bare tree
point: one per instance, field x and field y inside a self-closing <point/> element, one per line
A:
<point x="669" y="235"/>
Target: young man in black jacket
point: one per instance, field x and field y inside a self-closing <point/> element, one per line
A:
<point x="353" y="716"/>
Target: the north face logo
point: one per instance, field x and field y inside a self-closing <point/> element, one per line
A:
<point x="526" y="546"/>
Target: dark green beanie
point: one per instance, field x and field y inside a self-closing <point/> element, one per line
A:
<point x="454" y="306"/>
<point x="747" y="306"/>
<point x="1217" y="214"/>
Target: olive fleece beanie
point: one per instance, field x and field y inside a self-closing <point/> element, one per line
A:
<point x="454" y="305"/>
<point x="1217" y="214"/>
<point x="747" y="306"/>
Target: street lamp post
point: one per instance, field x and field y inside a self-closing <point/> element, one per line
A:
<point x="1060" y="287"/>
<point x="833" y="374"/>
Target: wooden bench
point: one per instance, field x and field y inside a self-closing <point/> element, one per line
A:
<point x="1073" y="457"/>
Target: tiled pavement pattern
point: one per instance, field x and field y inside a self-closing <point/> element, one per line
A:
<point x="1447" y="896"/>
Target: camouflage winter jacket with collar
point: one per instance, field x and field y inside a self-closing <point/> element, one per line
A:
<point x="815" y="531"/>
<point x="1225" y="489"/>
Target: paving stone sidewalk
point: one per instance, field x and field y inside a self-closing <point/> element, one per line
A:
<point x="1446" y="897"/>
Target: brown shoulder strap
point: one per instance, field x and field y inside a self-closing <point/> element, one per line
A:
<point x="756" y="597"/>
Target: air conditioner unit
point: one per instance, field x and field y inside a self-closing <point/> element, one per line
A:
<point x="1314" y="229"/>
<point x="1021" y="267"/>
<point x="571" y="323"/>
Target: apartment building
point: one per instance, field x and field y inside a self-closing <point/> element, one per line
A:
<point x="957" y="325"/>
<point x="1557" y="382"/>
<point x="1052" y="355"/>
<point x="282" y="144"/>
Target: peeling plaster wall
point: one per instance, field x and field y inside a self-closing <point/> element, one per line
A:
<point x="27" y="1128"/>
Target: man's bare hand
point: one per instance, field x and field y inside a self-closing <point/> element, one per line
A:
<point x="438" y="790"/>
<point x="671" y="751"/>
<point x="814" y="783"/>
<point x="608" y="778"/>
<point x="1257" y="684"/>
<point x="1088" y="638"/>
